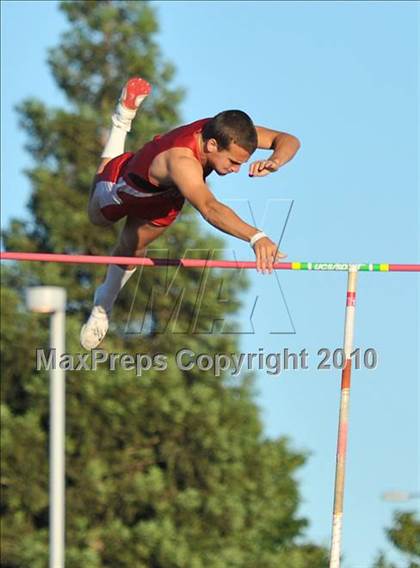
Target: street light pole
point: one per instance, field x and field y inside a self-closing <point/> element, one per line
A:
<point x="52" y="300"/>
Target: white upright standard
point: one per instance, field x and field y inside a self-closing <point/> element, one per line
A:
<point x="343" y="421"/>
<point x="52" y="300"/>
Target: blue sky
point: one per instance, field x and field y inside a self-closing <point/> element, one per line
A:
<point x="343" y="78"/>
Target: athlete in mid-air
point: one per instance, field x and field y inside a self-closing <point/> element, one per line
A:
<point x="149" y="187"/>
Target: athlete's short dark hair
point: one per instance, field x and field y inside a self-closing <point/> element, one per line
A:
<point x="232" y="126"/>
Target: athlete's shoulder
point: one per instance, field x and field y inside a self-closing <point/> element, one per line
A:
<point x="183" y="165"/>
<point x="182" y="156"/>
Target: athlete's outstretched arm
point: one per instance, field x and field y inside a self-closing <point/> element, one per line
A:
<point x="187" y="175"/>
<point x="284" y="147"/>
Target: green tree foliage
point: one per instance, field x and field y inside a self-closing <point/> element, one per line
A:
<point x="405" y="536"/>
<point x="170" y="468"/>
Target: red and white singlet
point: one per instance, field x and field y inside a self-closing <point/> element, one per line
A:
<point x="124" y="187"/>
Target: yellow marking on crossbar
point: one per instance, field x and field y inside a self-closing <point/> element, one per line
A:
<point x="384" y="267"/>
<point x="295" y="265"/>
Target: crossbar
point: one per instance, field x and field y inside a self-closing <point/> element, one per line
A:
<point x="203" y="263"/>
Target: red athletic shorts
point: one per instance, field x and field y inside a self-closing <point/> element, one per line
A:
<point x="117" y="199"/>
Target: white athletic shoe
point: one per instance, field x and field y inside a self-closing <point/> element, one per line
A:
<point x="94" y="330"/>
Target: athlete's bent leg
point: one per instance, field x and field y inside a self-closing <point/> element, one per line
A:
<point x="136" y="235"/>
<point x="132" y="95"/>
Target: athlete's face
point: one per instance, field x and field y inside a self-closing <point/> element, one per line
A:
<point x="227" y="161"/>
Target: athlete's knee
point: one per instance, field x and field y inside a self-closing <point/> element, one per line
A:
<point x="95" y="215"/>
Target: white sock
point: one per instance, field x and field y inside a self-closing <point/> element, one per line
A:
<point x="121" y="124"/>
<point x="116" y="142"/>
<point x="107" y="292"/>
